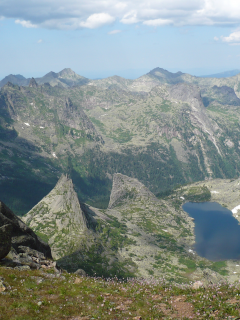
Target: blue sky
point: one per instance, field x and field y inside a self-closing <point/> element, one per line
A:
<point x="129" y="38"/>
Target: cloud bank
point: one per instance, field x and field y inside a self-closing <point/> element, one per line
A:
<point x="75" y="14"/>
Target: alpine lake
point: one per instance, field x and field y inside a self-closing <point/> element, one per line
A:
<point x="217" y="232"/>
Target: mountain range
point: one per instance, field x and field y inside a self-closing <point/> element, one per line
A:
<point x="64" y="78"/>
<point x="68" y="78"/>
<point x="163" y="128"/>
<point x="121" y="149"/>
<point x="224" y="74"/>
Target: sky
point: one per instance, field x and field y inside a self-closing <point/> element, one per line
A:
<point x="101" y="38"/>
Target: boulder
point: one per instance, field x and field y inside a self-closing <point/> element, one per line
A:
<point x="22" y="235"/>
<point x="81" y="273"/>
<point x="197" y="285"/>
<point x="211" y="277"/>
<point x="31" y="252"/>
<point x="5" y="240"/>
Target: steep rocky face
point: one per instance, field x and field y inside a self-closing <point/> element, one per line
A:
<point x="126" y="189"/>
<point x="223" y="95"/>
<point x="58" y="217"/>
<point x="21" y="234"/>
<point x="5" y="240"/>
<point x="33" y="83"/>
<point x="191" y="94"/>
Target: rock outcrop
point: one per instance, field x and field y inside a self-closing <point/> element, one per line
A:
<point x="59" y="218"/>
<point x="125" y="188"/>
<point x="21" y="234"/>
<point x="5" y="240"/>
<point x="33" y="83"/>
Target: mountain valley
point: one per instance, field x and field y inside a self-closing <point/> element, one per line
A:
<point x="128" y="154"/>
<point x="163" y="129"/>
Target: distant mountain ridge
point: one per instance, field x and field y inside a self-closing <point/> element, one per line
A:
<point x="65" y="78"/>
<point x="163" y="125"/>
<point x="68" y="78"/>
<point x="224" y="74"/>
<point x="15" y="79"/>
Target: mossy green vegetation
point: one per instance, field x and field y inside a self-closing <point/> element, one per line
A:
<point x="198" y="194"/>
<point x="41" y="295"/>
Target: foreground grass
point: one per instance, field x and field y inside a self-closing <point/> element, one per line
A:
<point x="42" y="295"/>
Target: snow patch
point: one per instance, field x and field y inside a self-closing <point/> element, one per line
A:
<point x="164" y="230"/>
<point x="27" y="124"/>
<point x="235" y="210"/>
<point x="54" y="155"/>
<point x="214" y="192"/>
<point x="182" y="198"/>
<point x="41" y="127"/>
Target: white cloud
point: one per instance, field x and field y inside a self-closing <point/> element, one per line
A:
<point x="130" y="18"/>
<point x="40" y="41"/>
<point x="234" y="37"/>
<point x="26" y="24"/>
<point x="114" y="31"/>
<point x="97" y="20"/>
<point x="74" y="14"/>
<point x="157" y="22"/>
<point x="216" y="38"/>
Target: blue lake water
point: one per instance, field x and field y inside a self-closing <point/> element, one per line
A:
<point x="217" y="232"/>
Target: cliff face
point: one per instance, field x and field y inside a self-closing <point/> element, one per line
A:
<point x="125" y="189"/>
<point x="59" y="218"/>
<point x="20" y="234"/>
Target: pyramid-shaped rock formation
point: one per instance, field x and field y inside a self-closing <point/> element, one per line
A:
<point x="33" y="83"/>
<point x="59" y="219"/>
<point x="125" y="189"/>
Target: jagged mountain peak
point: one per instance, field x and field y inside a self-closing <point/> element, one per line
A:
<point x="9" y="84"/>
<point x="51" y="74"/>
<point x="67" y="72"/>
<point x="59" y="215"/>
<point x="33" y="83"/>
<point x="125" y="189"/>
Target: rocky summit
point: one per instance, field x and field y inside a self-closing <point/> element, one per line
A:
<point x="59" y="219"/>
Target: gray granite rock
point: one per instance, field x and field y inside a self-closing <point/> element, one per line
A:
<point x="22" y="235"/>
<point x="5" y="240"/>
